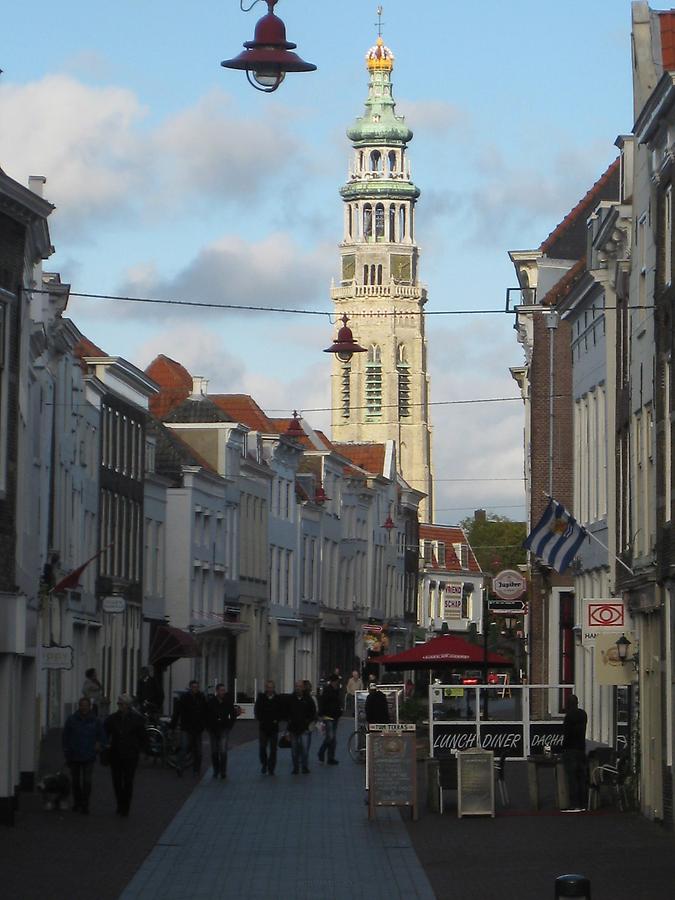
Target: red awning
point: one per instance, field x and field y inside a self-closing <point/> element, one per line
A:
<point x="169" y="644"/>
<point x="445" y="651"/>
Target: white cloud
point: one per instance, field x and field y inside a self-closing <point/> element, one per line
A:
<point x="81" y="139"/>
<point x="271" y="272"/>
<point x="434" y="118"/>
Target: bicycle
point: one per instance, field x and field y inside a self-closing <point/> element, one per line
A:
<point x="356" y="745"/>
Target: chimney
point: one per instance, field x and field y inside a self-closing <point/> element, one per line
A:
<point x="36" y="184"/>
<point x="199" y="386"/>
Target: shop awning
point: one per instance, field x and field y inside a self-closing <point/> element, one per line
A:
<point x="445" y="651"/>
<point x="169" y="644"/>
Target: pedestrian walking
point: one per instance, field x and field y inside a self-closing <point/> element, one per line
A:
<point x="221" y="714"/>
<point x="149" y="691"/>
<point x="83" y="737"/>
<point x="268" y="711"/>
<point x="300" y="713"/>
<point x="92" y="689"/>
<point x="126" y="734"/>
<point x="354" y="684"/>
<point x="330" y="710"/>
<point x="190" y="717"/>
<point x="574" y="753"/>
<point x="377" y="708"/>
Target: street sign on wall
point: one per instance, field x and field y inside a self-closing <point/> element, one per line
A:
<point x="602" y="616"/>
<point x="507" y="607"/>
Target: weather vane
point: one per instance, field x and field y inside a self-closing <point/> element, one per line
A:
<point x="379" y="21"/>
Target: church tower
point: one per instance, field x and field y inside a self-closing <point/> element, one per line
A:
<point x="384" y="393"/>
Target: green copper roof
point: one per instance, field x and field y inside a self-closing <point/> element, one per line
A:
<point x="379" y="124"/>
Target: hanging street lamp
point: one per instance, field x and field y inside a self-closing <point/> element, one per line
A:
<point x="344" y="346"/>
<point x="268" y="57"/>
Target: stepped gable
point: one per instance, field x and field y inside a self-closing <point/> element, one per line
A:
<point x="367" y="456"/>
<point x="172" y="453"/>
<point x="202" y="409"/>
<point x="175" y="383"/>
<point x="449" y="535"/>
<point x="568" y="239"/>
<point x="243" y="408"/>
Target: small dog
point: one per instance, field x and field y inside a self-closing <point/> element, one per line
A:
<point x="55" y="790"/>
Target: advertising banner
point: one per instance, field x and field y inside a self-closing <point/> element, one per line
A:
<point x="452" y="602"/>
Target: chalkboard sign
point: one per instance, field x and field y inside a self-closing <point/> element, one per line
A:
<point x="475" y="783"/>
<point x="392" y="768"/>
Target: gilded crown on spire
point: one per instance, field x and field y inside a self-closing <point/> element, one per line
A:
<point x="379" y="57"/>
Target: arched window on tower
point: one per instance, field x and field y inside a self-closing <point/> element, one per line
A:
<point x="392" y="223"/>
<point x="350" y="219"/>
<point x="375" y="161"/>
<point x="372" y="274"/>
<point x="392" y="162"/>
<point x="403" y="372"/>
<point x="401" y="223"/>
<point x="379" y="274"/>
<point x="367" y="221"/>
<point x="379" y="222"/>
<point x="374" y="384"/>
<point x="361" y="161"/>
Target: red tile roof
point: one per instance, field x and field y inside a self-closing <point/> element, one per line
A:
<point x="667" y="28"/>
<point x="243" y="408"/>
<point x="175" y="383"/>
<point x="367" y="456"/>
<point x="85" y="347"/>
<point x="583" y="207"/>
<point x="449" y="535"/>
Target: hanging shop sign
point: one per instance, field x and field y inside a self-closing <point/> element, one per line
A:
<point x="509" y="585"/>
<point x="114" y="604"/>
<point x="60" y="656"/>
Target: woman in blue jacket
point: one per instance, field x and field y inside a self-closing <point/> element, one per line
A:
<point x="83" y="737"/>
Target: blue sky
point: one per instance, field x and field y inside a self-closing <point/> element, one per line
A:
<point x="173" y="178"/>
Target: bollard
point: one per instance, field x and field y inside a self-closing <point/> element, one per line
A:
<point x="573" y="886"/>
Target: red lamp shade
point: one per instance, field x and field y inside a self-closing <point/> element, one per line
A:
<point x="320" y="495"/>
<point x="294" y="429"/>
<point x="268" y="56"/>
<point x="345" y="346"/>
<point x="389" y="524"/>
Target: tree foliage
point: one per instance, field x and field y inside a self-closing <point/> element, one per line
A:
<point x="497" y="542"/>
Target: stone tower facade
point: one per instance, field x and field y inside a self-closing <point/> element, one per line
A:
<point x="384" y="393"/>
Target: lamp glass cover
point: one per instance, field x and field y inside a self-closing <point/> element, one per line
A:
<point x="268" y="77"/>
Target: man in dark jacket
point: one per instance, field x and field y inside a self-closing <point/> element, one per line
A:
<point x="574" y="752"/>
<point x="221" y="714"/>
<point x="83" y="737"/>
<point x="190" y="716"/>
<point x="377" y="708"/>
<point x="268" y="711"/>
<point x="126" y="734"/>
<point x="300" y="713"/>
<point x="330" y="710"/>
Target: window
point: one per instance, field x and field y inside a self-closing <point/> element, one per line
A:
<point x="379" y="222"/>
<point x="367" y="221"/>
<point x="668" y="236"/>
<point x="403" y="372"/>
<point x="401" y="223"/>
<point x="375" y="161"/>
<point x="440" y="554"/>
<point x="392" y="161"/>
<point x="374" y="384"/>
<point x="392" y="223"/>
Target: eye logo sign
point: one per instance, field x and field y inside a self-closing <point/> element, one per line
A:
<point x="605" y="615"/>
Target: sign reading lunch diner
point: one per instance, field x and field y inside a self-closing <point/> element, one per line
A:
<point x="509" y="585"/>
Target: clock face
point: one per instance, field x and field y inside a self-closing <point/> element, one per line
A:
<point x="400" y="267"/>
<point x="348" y="267"/>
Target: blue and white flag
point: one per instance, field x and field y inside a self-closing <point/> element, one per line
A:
<point x="556" y="537"/>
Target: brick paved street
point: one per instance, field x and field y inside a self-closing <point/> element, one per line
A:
<point x="309" y="837"/>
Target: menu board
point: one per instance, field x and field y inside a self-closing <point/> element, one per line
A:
<point x="392" y="768"/>
<point x="475" y="783"/>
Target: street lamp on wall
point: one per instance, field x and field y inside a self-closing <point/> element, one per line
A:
<point x="268" y="57"/>
<point x="622" y="645"/>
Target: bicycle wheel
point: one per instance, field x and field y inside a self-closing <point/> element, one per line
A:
<point x="154" y="746"/>
<point x="356" y="746"/>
